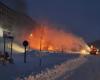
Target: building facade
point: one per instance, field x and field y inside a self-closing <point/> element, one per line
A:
<point x="18" y="23"/>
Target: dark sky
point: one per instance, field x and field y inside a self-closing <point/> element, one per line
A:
<point x="82" y="17"/>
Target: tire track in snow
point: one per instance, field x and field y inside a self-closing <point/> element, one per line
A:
<point x="58" y="70"/>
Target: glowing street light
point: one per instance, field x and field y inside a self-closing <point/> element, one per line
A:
<point x="31" y="35"/>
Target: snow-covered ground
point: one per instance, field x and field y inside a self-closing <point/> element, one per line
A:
<point x="53" y="66"/>
<point x="57" y="71"/>
<point x="81" y="68"/>
<point x="90" y="70"/>
<point x="20" y="69"/>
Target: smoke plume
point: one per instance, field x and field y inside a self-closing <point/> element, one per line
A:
<point x="52" y="39"/>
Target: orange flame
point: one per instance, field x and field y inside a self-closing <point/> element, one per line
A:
<point x="52" y="39"/>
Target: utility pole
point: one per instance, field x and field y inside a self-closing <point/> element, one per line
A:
<point x="41" y="38"/>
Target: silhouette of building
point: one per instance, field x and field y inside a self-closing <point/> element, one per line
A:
<point x="14" y="21"/>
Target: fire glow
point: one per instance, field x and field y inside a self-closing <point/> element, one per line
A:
<point x="52" y="39"/>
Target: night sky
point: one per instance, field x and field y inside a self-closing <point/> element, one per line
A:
<point x="81" y="17"/>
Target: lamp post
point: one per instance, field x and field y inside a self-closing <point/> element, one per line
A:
<point x="41" y="43"/>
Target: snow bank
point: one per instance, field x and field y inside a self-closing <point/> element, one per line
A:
<point x="57" y="71"/>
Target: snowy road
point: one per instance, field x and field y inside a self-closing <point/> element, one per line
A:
<point x="20" y="69"/>
<point x="59" y="71"/>
<point x="88" y="71"/>
<point x="82" y="68"/>
<point x="54" y="67"/>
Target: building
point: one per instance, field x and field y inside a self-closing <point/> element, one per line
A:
<point x="20" y="24"/>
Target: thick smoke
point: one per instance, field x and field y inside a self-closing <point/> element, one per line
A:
<point x="47" y="38"/>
